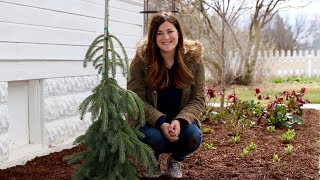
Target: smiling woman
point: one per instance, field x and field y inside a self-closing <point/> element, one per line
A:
<point x="168" y="75"/>
<point x="167" y="40"/>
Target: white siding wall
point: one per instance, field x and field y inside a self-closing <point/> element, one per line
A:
<point x="45" y="38"/>
<point x="42" y="44"/>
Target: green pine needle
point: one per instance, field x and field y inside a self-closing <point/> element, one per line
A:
<point x="111" y="138"/>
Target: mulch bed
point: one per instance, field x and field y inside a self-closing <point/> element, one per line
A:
<point x="225" y="161"/>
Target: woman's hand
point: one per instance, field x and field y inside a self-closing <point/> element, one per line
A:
<point x="175" y="131"/>
<point x="169" y="131"/>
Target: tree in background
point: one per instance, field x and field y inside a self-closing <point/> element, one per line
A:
<point x="214" y="25"/>
<point x="112" y="142"/>
<point x="262" y="13"/>
<point x="316" y="32"/>
<point x="280" y="34"/>
<point x="289" y="37"/>
<point x="219" y="28"/>
<point x="225" y="26"/>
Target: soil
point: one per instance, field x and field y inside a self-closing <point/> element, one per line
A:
<point x="224" y="161"/>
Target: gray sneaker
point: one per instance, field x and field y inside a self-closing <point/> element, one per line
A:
<point x="174" y="168"/>
<point x="153" y="172"/>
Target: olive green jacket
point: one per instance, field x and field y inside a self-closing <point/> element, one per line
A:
<point x="193" y="98"/>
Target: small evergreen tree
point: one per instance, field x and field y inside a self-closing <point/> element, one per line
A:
<point x="112" y="142"/>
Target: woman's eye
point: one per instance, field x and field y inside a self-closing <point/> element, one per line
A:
<point x="159" y="33"/>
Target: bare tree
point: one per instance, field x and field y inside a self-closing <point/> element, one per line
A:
<point x="214" y="24"/>
<point x="263" y="12"/>
<point x="290" y="37"/>
<point x="316" y="32"/>
<point x="217" y="24"/>
<point x="260" y="13"/>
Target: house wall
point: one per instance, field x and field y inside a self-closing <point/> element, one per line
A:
<point x="4" y="121"/>
<point x="42" y="80"/>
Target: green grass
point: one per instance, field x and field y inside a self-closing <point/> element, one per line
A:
<point x="295" y="79"/>
<point x="272" y="89"/>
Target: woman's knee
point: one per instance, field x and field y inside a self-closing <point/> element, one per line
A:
<point x="152" y="136"/>
<point x="192" y="137"/>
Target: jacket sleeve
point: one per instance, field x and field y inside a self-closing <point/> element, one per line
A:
<point x="138" y="85"/>
<point x="192" y="110"/>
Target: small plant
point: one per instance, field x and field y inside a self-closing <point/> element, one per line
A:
<point x="252" y="146"/>
<point x="245" y="151"/>
<point x="271" y="129"/>
<point x="288" y="149"/>
<point x="288" y="135"/>
<point x="249" y="147"/>
<point x="236" y="138"/>
<point x="276" y="158"/>
<point x="285" y="110"/>
<point x="208" y="112"/>
<point x="206" y="130"/>
<point x="209" y="146"/>
<point x="240" y="115"/>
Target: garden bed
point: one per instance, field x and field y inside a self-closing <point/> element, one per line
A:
<point x="223" y="160"/>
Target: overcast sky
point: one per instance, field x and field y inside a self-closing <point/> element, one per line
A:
<point x="311" y="10"/>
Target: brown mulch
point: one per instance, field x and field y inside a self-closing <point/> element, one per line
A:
<point x="225" y="161"/>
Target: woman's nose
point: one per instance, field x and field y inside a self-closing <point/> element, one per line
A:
<point x="165" y="35"/>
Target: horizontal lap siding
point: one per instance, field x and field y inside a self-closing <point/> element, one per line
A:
<point x="46" y="40"/>
<point x="54" y="30"/>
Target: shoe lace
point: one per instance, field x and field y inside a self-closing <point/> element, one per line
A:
<point x="175" y="166"/>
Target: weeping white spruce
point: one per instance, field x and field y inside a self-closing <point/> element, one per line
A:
<point x="112" y="141"/>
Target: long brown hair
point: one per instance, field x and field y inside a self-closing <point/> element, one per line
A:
<point x="157" y="74"/>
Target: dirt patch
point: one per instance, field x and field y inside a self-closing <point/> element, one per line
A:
<point x="224" y="161"/>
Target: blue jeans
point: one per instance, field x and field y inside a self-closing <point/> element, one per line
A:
<point x="189" y="141"/>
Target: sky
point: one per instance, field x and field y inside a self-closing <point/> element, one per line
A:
<point x="309" y="11"/>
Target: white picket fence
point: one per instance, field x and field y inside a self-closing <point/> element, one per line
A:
<point x="305" y="63"/>
<point x="290" y="63"/>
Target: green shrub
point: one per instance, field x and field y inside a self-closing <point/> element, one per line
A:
<point x="276" y="158"/>
<point x="245" y="151"/>
<point x="236" y="138"/>
<point x="252" y="146"/>
<point x="288" y="149"/>
<point x="271" y="129"/>
<point x="209" y="146"/>
<point x="288" y="135"/>
<point x="206" y="130"/>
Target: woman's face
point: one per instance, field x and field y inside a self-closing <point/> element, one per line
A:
<point x="167" y="37"/>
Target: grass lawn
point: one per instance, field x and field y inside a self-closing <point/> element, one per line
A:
<point x="272" y="89"/>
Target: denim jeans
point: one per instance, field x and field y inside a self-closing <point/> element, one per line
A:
<point x="189" y="141"/>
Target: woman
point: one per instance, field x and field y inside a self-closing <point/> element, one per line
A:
<point x="167" y="73"/>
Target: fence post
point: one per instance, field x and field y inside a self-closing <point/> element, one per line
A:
<point x="309" y="60"/>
